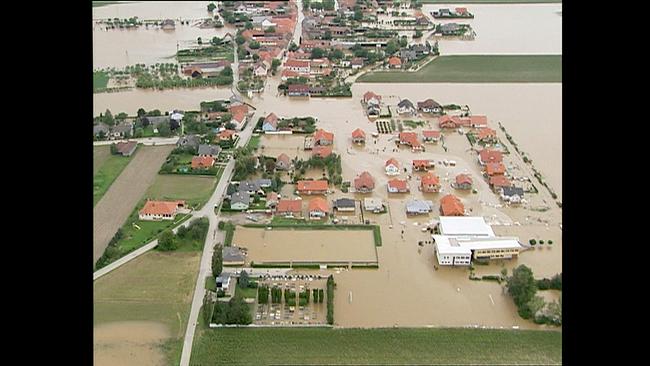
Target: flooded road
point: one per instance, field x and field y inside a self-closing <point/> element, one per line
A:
<point x="506" y="29"/>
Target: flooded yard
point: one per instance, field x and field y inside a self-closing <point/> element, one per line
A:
<point x="306" y="246"/>
<point x="292" y="145"/>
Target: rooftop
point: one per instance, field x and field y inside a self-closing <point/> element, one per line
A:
<point x="465" y="226"/>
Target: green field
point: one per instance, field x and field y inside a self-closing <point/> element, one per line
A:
<point x="109" y="171"/>
<point x="478" y="69"/>
<point x="318" y="346"/>
<point x="100" y="79"/>
<point x="246" y="292"/>
<point x="490" y="1"/>
<point x="194" y="189"/>
<point x="254" y="142"/>
<point x="153" y="287"/>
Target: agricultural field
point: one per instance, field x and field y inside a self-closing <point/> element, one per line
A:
<point x="196" y="190"/>
<point x="154" y="290"/>
<point x="478" y="69"/>
<point x="123" y="195"/>
<point x="100" y="78"/>
<point x="109" y="167"/>
<point x="373" y="346"/>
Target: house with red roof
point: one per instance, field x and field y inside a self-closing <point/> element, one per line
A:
<point x="318" y="208"/>
<point x="202" y="162"/>
<point x="312" y="187"/>
<point x="289" y="208"/>
<point x="239" y="113"/>
<point x="270" y="122"/>
<point x="322" y="137"/>
<point x="271" y="199"/>
<point x="364" y="183"/>
<point x="226" y="135"/>
<point x="392" y="166"/>
<point x="321" y="151"/>
<point x="398" y="186"/>
<point x="490" y="156"/>
<point x="283" y="162"/>
<point x="302" y="66"/>
<point x="410" y="139"/>
<point x="463" y="181"/>
<point x="449" y="122"/>
<point x="421" y="165"/>
<point x="499" y="181"/>
<point x="431" y="135"/>
<point x="451" y="205"/>
<point x="486" y="135"/>
<point x="430" y="183"/>
<point x="475" y="121"/>
<point x="160" y="210"/>
<point x="371" y="98"/>
<point x="394" y="62"/>
<point x="358" y="136"/>
<point x="298" y="90"/>
<point x="495" y="169"/>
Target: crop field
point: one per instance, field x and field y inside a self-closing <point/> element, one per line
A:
<point x="400" y="346"/>
<point x="194" y="189"/>
<point x="111" y="167"/>
<point x="478" y="69"/>
<point x="153" y="287"/>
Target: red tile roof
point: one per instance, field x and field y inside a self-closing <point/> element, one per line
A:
<point x="495" y="168"/>
<point x="451" y="205"/>
<point x="369" y="95"/>
<point x="271" y="196"/>
<point x="364" y="181"/>
<point x="486" y="132"/>
<point x="226" y="134"/>
<point x="463" y="179"/>
<point x="239" y="112"/>
<point x="421" y="163"/>
<point x="431" y="134"/>
<point x="272" y="119"/>
<point x="500" y="181"/>
<point x="202" y="162"/>
<point x="321" y="134"/>
<point x="318" y="204"/>
<point x="394" y="61"/>
<point x="410" y="138"/>
<point x="399" y="184"/>
<point x="392" y="161"/>
<point x="322" y="151"/>
<point x="358" y="133"/>
<point x="284" y="158"/>
<point x="289" y="206"/>
<point x="430" y="179"/>
<point x="312" y="185"/>
<point x="125" y="147"/>
<point x="161" y="207"/>
<point x="490" y="156"/>
<point x="296" y="63"/>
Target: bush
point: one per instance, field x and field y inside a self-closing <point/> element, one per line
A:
<point x="541" y="242"/>
<point x="550" y="242"/>
<point x="532" y="241"/>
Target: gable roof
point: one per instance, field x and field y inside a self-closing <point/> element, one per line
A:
<point x="358" y="133"/>
<point x="399" y="184"/>
<point x="202" y="162"/>
<point x="429" y="103"/>
<point x="271" y="119"/>
<point x="284" y="158"/>
<point x="451" y="205"/>
<point x="240" y="197"/>
<point x="370" y="95"/>
<point x="125" y="147"/>
<point x="322" y="151"/>
<point x="430" y="179"/>
<point x="431" y="134"/>
<point x="418" y="205"/>
<point x="394" y="61"/>
<point x="364" y="180"/>
<point x="392" y="161"/>
<point x="321" y="134"/>
<point x="312" y="185"/>
<point x="490" y="156"/>
<point x="161" y="207"/>
<point x="318" y="204"/>
<point x="495" y="168"/>
<point x="239" y="112"/>
<point x="344" y="202"/>
<point x="485" y="133"/>
<point x="500" y="181"/>
<point x="289" y="206"/>
<point x="512" y="191"/>
<point x="463" y="179"/>
<point x="405" y="103"/>
<point x="205" y="149"/>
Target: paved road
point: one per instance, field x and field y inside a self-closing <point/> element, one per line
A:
<point x="146" y="141"/>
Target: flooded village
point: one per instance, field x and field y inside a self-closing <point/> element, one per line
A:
<point x="327" y="201"/>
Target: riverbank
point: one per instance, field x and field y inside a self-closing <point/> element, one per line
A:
<point x="478" y="69"/>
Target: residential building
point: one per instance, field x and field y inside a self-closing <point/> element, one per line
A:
<point x="499" y="181"/>
<point x="240" y="200"/>
<point x="356" y="63"/>
<point x="322" y="137"/>
<point x="410" y="139"/>
<point x="168" y="24"/>
<point x="270" y="123"/>
<point x="226" y="135"/>
<point x="289" y="208"/>
<point x="298" y="90"/>
<point x="486" y="135"/>
<point x="394" y="62"/>
<point x="321" y="151"/>
<point x="259" y="69"/>
<point x="189" y="141"/>
<point x="160" y="210"/>
<point x="392" y="167"/>
<point x="101" y="129"/>
<point x="449" y="122"/>
<point x="202" y="162"/>
<point x="209" y="150"/>
<point x="373" y="204"/>
<point x="406" y="107"/>
<point x="495" y="169"/>
<point x="364" y="183"/>
<point x="318" y="208"/>
<point x="223" y="281"/>
<point x="512" y="194"/>
<point x="312" y="187"/>
<point x="418" y="207"/>
<point x="489" y="156"/>
<point x="126" y="148"/>
<point x="431" y="135"/>
<point x="430" y="183"/>
<point x="271" y="199"/>
<point x="123" y="130"/>
<point x="371" y="98"/>
<point x="283" y="162"/>
<point x="358" y="136"/>
<point x="345" y="205"/>
<point x="398" y="186"/>
<point x="421" y="165"/>
<point x="251" y="187"/>
<point x="429" y="106"/>
<point x="302" y="66"/>
<point x="451" y="205"/>
<point x="463" y="181"/>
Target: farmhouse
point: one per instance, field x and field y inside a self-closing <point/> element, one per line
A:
<point x="202" y="162"/>
<point x="209" y="150"/>
<point x="489" y="156"/>
<point x="322" y="137"/>
<point x="431" y="135"/>
<point x="398" y="186"/>
<point x="160" y="210"/>
<point x="405" y="107"/>
<point x="429" y="106"/>
<point x="418" y="207"/>
<point x="318" y="208"/>
<point x="373" y="205"/>
<point x="283" y="162"/>
<point x="240" y="200"/>
<point x="345" y="205"/>
<point x="463" y="181"/>
<point x="126" y="148"/>
<point x="289" y="208"/>
<point x="392" y="167"/>
<point x="430" y="183"/>
<point x="321" y="151"/>
<point x="512" y="194"/>
<point x="364" y="183"/>
<point x="312" y="187"/>
<point x="358" y="136"/>
<point x="451" y="205"/>
<point x="270" y="123"/>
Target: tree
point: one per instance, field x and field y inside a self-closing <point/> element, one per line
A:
<point x="164" y="130"/>
<point x="113" y="148"/>
<point x="238" y="311"/>
<point x="139" y="132"/>
<point x="217" y="260"/>
<point x="174" y="124"/>
<point x="358" y="15"/>
<point x="141" y="112"/>
<point x="243" y="279"/>
<point x="530" y="309"/>
<point x="403" y="42"/>
<point x="274" y="64"/>
<point x="211" y="7"/>
<point x="293" y="47"/>
<point x="521" y="285"/>
<point x="208" y="306"/>
<point x="336" y="54"/>
<point x="248" y="25"/>
<point x="167" y="241"/>
<point x="240" y="39"/>
<point x="317" y="53"/>
<point x="227" y="71"/>
<point x="121" y="116"/>
<point x="270" y="30"/>
<point x="108" y="118"/>
<point x="256" y="57"/>
<point x="254" y="45"/>
<point x="418" y="34"/>
<point x="392" y="47"/>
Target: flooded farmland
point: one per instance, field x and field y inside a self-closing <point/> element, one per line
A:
<point x="129" y="343"/>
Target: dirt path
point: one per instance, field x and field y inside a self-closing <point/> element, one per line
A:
<point x="100" y="155"/>
<point x="120" y="199"/>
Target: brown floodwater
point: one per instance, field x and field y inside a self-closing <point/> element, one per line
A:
<point x="129" y="343"/>
<point x="506" y="29"/>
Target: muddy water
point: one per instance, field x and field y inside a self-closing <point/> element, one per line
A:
<point x="292" y="145"/>
<point x="129" y="343"/>
<point x="154" y="10"/>
<point x="308" y="245"/>
<point x="504" y="29"/>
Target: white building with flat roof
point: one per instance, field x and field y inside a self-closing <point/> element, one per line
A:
<point x="470" y="226"/>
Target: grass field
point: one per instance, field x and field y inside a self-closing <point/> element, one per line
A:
<point x="100" y="154"/>
<point x="318" y="346"/>
<point x="490" y="1"/>
<point x="154" y="287"/>
<point x="478" y="69"/>
<point x="109" y="170"/>
<point x="254" y="142"/>
<point x="100" y="78"/>
<point x="246" y="292"/>
<point x="196" y="190"/>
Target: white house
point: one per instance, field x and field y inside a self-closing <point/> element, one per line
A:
<point x="418" y="207"/>
<point x="223" y="281"/>
<point x="260" y="70"/>
<point x="392" y="167"/>
<point x="406" y="107"/>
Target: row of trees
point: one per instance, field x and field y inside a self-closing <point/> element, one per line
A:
<point x="331" y="285"/>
